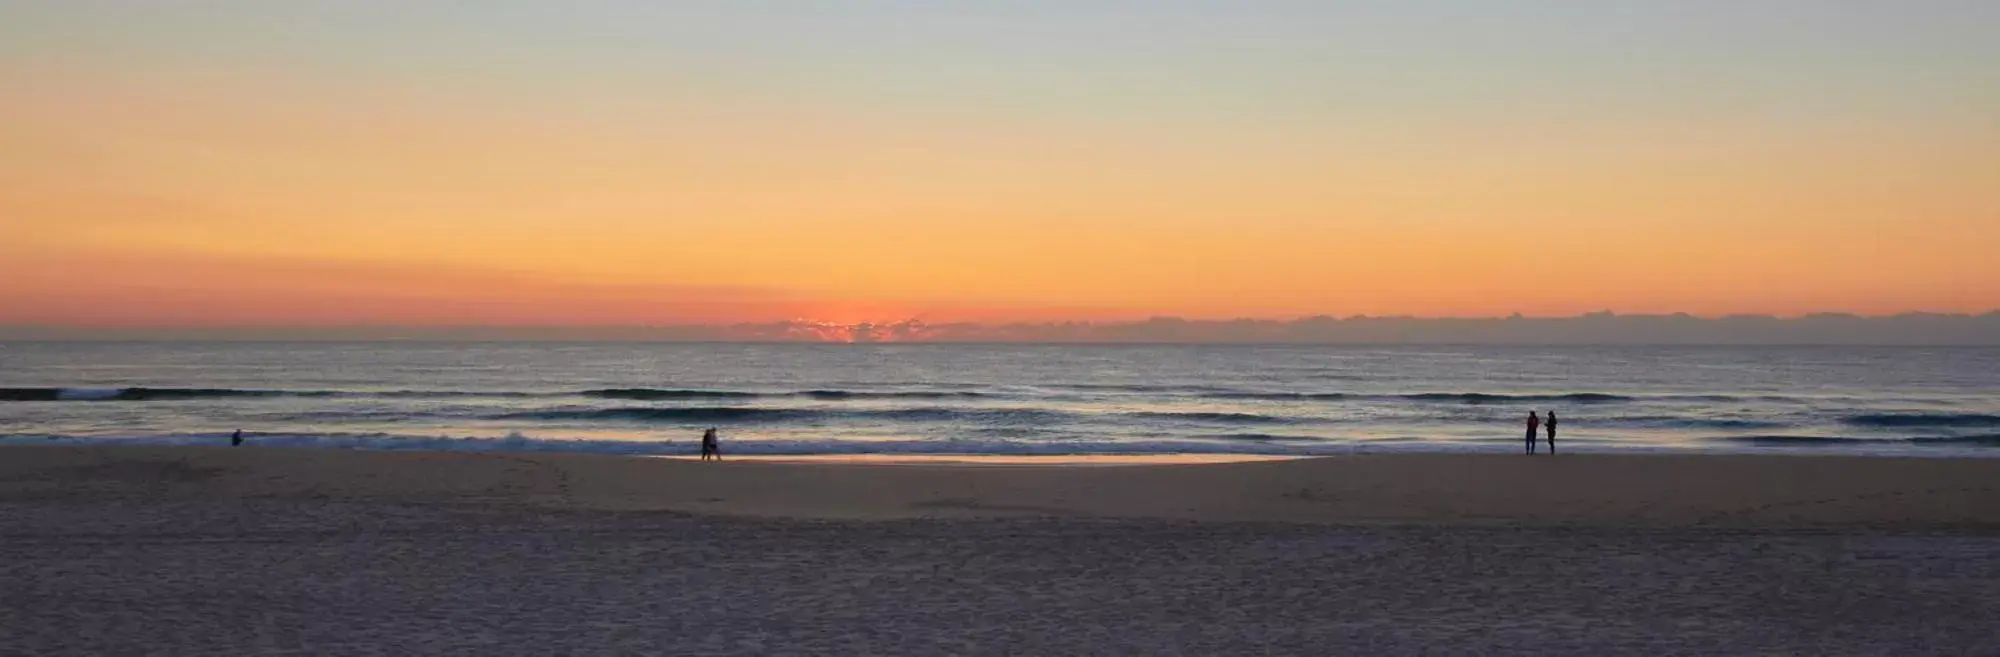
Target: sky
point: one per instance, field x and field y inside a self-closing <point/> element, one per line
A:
<point x="177" y="163"/>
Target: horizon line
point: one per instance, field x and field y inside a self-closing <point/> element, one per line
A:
<point x="1607" y="328"/>
<point x="919" y="319"/>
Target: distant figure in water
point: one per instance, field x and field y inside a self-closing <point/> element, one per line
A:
<point x="1551" y="424"/>
<point x="709" y="447"/>
<point x="1534" y="423"/>
<point x="236" y="439"/>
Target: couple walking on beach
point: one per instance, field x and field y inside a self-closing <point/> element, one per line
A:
<point x="1535" y="422"/>
<point x="710" y="446"/>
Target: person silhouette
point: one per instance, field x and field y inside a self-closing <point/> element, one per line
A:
<point x="236" y="439"/>
<point x="1551" y="427"/>
<point x="1534" y="423"/>
<point x="709" y="447"/>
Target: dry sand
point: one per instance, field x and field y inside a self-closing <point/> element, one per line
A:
<point x="188" y="551"/>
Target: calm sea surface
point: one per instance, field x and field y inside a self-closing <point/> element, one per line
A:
<point x="967" y="399"/>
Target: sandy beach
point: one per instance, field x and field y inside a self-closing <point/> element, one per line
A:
<point x="115" y="550"/>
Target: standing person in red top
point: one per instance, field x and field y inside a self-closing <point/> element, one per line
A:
<point x="1534" y="423"/>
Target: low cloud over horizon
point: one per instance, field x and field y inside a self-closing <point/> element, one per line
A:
<point x="1916" y="328"/>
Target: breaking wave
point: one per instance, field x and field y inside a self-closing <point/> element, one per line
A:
<point x="1280" y="396"/>
<point x="1679" y="422"/>
<point x="698" y="414"/>
<point x="642" y="394"/>
<point x="634" y="394"/>
<point x="739" y="414"/>
<point x="860" y="394"/>
<point x="180" y="394"/>
<point x="695" y="394"/>
<point x="1893" y="420"/>
<point x="1487" y="398"/>
<point x="147" y="394"/>
<point x="1992" y="440"/>
<point x="1225" y="418"/>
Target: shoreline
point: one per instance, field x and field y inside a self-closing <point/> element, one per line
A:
<point x="1044" y="460"/>
<point x="1673" y="490"/>
<point x="1961" y="448"/>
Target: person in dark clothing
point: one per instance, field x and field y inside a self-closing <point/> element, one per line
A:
<point x="1534" y="423"/>
<point x="709" y="447"/>
<point x="1551" y="427"/>
<point x="236" y="439"/>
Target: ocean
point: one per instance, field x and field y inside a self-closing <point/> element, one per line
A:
<point x="790" y="399"/>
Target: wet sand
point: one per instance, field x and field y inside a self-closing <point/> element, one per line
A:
<point x="107" y="550"/>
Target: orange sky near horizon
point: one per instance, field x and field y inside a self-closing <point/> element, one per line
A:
<point x="247" y="194"/>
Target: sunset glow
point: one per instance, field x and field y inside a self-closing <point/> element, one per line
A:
<point x="604" y="163"/>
